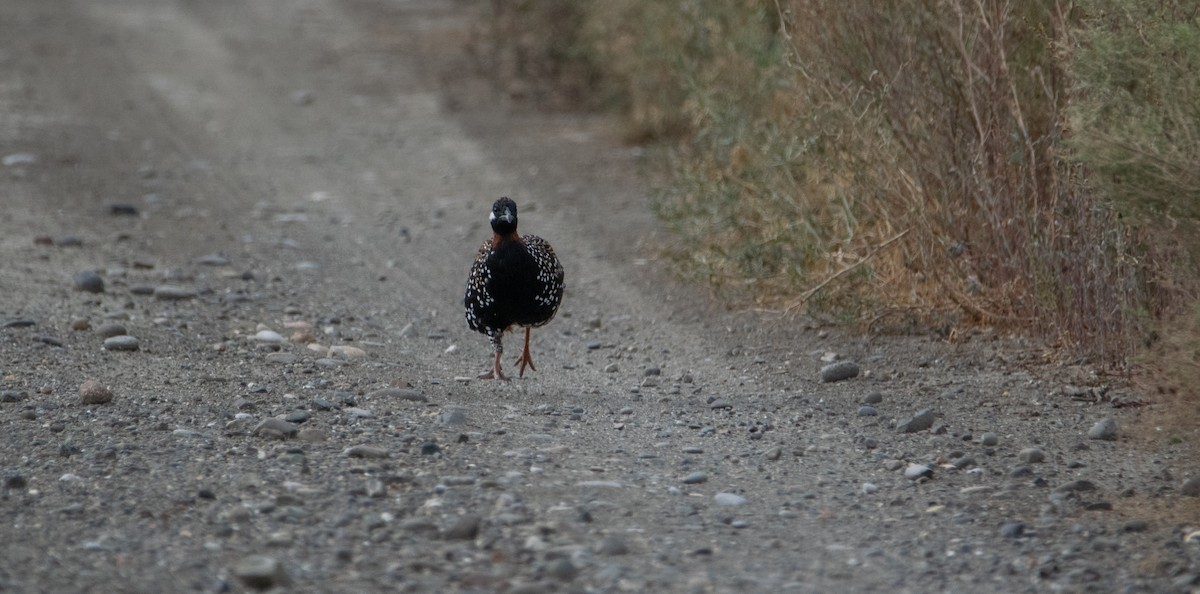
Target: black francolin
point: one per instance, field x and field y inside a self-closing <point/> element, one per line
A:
<point x="516" y="280"/>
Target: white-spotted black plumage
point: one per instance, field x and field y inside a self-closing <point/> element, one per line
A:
<point x="516" y="280"/>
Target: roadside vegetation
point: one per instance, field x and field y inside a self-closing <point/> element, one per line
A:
<point x="908" y="166"/>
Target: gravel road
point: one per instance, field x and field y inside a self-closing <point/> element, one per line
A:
<point x="234" y="238"/>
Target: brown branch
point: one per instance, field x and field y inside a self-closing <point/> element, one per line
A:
<point x="809" y="293"/>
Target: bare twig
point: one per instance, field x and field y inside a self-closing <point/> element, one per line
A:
<point x="809" y="293"/>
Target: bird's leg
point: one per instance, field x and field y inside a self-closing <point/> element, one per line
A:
<point x="498" y="347"/>
<point x="525" y="358"/>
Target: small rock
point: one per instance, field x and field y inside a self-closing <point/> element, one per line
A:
<point x="398" y="394"/>
<point x="260" y="572"/>
<point x="453" y="416"/>
<point x="989" y="439"/>
<point x="342" y="351"/>
<point x="841" y="370"/>
<point x="80" y="324"/>
<point x="365" y="451"/>
<point x="610" y="368"/>
<point x="729" y="499"/>
<point x="173" y="293"/>
<point x="869" y="488"/>
<point x="919" y="422"/>
<point x="873" y="398"/>
<point x="1191" y="487"/>
<point x="720" y="403"/>
<point x="1031" y="455"/>
<point x="12" y="395"/>
<point x="1105" y="429"/>
<point x="268" y="336"/>
<point x="122" y="210"/>
<point x="18" y="323"/>
<point x="695" y="478"/>
<point x="562" y="569"/>
<point x="1012" y="530"/>
<point x="213" y="260"/>
<point x="465" y="528"/>
<point x="122" y="342"/>
<point x="93" y="392"/>
<point x="917" y="471"/>
<point x="867" y="411"/>
<point x="111" y="329"/>
<point x="311" y="434"/>
<point x="1136" y="526"/>
<point x="1079" y="485"/>
<point x="278" y="428"/>
<point x="612" y="545"/>
<point x="88" y="281"/>
<point x="282" y="358"/>
<point x="19" y="159"/>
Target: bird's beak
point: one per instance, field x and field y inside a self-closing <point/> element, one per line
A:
<point x="506" y="216"/>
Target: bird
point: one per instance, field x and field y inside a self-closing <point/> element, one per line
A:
<point x="515" y="280"/>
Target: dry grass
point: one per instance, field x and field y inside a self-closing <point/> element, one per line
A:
<point x="908" y="165"/>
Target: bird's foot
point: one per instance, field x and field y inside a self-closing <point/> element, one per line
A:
<point x="522" y="361"/>
<point x="494" y="372"/>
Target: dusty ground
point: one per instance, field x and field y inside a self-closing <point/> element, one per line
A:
<point x="325" y="168"/>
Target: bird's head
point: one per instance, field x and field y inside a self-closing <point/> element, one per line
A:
<point x="504" y="216"/>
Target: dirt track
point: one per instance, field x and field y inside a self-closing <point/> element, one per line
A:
<point x="332" y="163"/>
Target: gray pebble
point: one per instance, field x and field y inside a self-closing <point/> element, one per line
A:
<point x="1012" y="530"/>
<point x="869" y="488"/>
<point x="453" y="416"/>
<point x="1105" y="429"/>
<point x="917" y="471"/>
<point x="1136" y="526"/>
<point x="297" y="416"/>
<point x="729" y="499"/>
<point x="358" y="413"/>
<point x="110" y="330"/>
<point x="841" y="370"/>
<point x="213" y="260"/>
<point x="867" y="411"/>
<point x="465" y="528"/>
<point x="562" y="569"/>
<point x="612" y="545"/>
<point x="695" y="478"/>
<point x="610" y="368"/>
<point x="173" y="293"/>
<point x="720" y="403"/>
<point x="873" y="398"/>
<point x="1191" y="487"/>
<point x="1079" y="485"/>
<point x="277" y="428"/>
<point x="918" y="422"/>
<point x="12" y="395"/>
<point x="1031" y="455"/>
<point x="282" y="358"/>
<point x="122" y="209"/>
<point x="398" y="394"/>
<point x="260" y="572"/>
<point x="121" y="343"/>
<point x="93" y="392"/>
<point x="365" y="451"/>
<point x="989" y="439"/>
<point x="88" y="281"/>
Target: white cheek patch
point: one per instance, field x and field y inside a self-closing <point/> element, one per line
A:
<point x="492" y="217"/>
